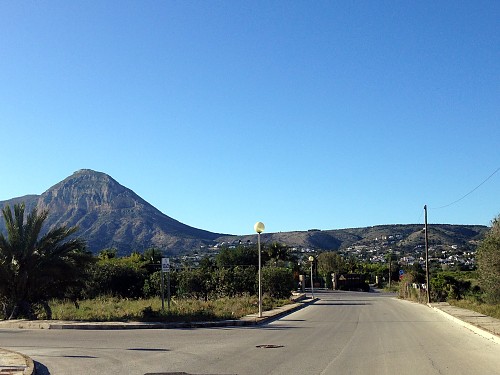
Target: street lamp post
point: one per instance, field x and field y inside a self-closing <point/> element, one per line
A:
<point x="311" y="259"/>
<point x="259" y="228"/>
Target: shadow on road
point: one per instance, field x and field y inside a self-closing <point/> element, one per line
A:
<point x="292" y="320"/>
<point x="79" y="356"/>
<point x="41" y="369"/>
<point x="336" y="303"/>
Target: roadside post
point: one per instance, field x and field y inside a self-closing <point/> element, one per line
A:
<point x="311" y="259"/>
<point x="165" y="267"/>
<point x="302" y="281"/>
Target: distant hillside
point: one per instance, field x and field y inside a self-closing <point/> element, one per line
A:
<point x="110" y="215"/>
<point x="401" y="235"/>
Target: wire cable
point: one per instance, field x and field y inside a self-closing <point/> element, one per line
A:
<point x="469" y="193"/>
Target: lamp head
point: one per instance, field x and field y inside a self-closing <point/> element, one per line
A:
<point x="259" y="227"/>
<point x="311" y="258"/>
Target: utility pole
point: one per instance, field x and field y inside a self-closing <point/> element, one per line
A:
<point x="426" y="256"/>
<point x="390" y="269"/>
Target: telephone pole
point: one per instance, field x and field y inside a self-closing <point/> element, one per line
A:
<point x="426" y="256"/>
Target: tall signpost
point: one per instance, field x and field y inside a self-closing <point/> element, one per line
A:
<point x="165" y="267"/>
<point x="311" y="259"/>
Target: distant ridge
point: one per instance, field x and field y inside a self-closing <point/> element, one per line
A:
<point x="110" y="215"/>
<point x="397" y="236"/>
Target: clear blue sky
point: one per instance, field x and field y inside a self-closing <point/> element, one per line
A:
<point x="300" y="114"/>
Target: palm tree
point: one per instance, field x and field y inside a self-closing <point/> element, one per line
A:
<point x="33" y="269"/>
<point x="278" y="253"/>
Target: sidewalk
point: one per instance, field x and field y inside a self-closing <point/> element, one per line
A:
<point x="18" y="364"/>
<point x="483" y="325"/>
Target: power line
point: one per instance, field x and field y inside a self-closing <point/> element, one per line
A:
<point x="469" y="193"/>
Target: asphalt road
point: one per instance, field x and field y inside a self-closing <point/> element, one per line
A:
<point x="342" y="333"/>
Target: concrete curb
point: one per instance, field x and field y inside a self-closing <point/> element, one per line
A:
<point x="14" y="363"/>
<point x="248" y="320"/>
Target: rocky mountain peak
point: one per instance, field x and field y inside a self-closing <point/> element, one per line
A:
<point x="111" y="215"/>
<point x="88" y="190"/>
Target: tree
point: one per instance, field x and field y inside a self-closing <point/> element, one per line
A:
<point x="207" y="264"/>
<point x="241" y="256"/>
<point x="195" y="284"/>
<point x="277" y="282"/>
<point x="418" y="273"/>
<point x="122" y="277"/>
<point x="331" y="262"/>
<point x="278" y="253"/>
<point x="488" y="262"/>
<point x="34" y="270"/>
<point x="448" y="285"/>
<point x="108" y="253"/>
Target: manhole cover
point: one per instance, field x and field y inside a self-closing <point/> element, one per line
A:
<point x="269" y="346"/>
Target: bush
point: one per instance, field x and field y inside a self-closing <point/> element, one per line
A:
<point x="277" y="282"/>
<point x="488" y="260"/>
<point x="447" y="285"/>
<point x="152" y="285"/>
<point x="195" y="284"/>
<point x="117" y="278"/>
<point x="245" y="281"/>
<point x="225" y="285"/>
<point x="407" y="291"/>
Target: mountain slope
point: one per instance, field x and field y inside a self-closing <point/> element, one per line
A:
<point x="110" y="215"/>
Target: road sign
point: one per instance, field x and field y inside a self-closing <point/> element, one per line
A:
<point x="401" y="272"/>
<point x="165" y="264"/>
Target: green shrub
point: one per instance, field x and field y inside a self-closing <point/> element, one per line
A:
<point x="195" y="284"/>
<point x="407" y="291"/>
<point x="277" y="282"/>
<point x="115" y="277"/>
<point x="245" y="281"/>
<point x="152" y="284"/>
<point x="448" y="285"/>
<point x="488" y="260"/>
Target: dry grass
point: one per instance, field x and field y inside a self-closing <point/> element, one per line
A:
<point x="188" y="310"/>
<point x="483" y="308"/>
